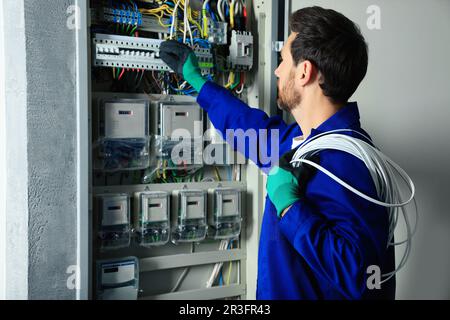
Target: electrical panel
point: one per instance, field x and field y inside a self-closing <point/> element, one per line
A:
<point x="162" y="190"/>
<point x="117" y="279"/>
<point x="113" y="221"/>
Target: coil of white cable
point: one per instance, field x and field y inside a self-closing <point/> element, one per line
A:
<point x="383" y="171"/>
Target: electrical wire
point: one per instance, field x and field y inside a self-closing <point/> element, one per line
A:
<point x="218" y="266"/>
<point x="230" y="268"/>
<point x="232" y="10"/>
<point x="220" y="10"/>
<point x="183" y="275"/>
<point x="383" y="172"/>
<point x="174" y="18"/>
<point x="205" y="18"/>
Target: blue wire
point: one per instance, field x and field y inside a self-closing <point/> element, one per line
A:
<point x="211" y="13"/>
<point x="227" y="9"/>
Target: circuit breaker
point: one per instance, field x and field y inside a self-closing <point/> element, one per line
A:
<point x="122" y="135"/>
<point x="113" y="221"/>
<point x="117" y="279"/>
<point x="152" y="218"/>
<point x="224" y="221"/>
<point x="189" y="224"/>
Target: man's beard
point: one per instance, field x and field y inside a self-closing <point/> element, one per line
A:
<point x="289" y="97"/>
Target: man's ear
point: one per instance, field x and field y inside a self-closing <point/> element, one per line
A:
<point x="305" y="73"/>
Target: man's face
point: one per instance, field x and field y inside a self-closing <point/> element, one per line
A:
<point x="288" y="93"/>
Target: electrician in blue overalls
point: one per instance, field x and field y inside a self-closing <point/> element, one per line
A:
<point x="317" y="243"/>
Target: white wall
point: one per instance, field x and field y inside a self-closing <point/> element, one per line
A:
<point x="2" y="163"/>
<point x="405" y="106"/>
<point x="13" y="139"/>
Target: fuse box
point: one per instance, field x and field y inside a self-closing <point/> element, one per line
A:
<point x="113" y="221"/>
<point x="189" y="224"/>
<point x="162" y="189"/>
<point x="152" y="218"/>
<point x="118" y="279"/>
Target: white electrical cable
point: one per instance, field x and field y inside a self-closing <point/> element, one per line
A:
<point x="237" y="8"/>
<point x="220" y="10"/>
<point x="183" y="274"/>
<point x="174" y="18"/>
<point x="223" y="246"/>
<point x="186" y="15"/>
<point x="184" y="21"/>
<point x="383" y="172"/>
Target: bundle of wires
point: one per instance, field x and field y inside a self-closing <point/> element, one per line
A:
<point x="229" y="10"/>
<point x="174" y="11"/>
<point x="224" y="245"/>
<point x="383" y="171"/>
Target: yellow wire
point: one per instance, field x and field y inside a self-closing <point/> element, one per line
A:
<point x="159" y="19"/>
<point x="217" y="174"/>
<point x="164" y="170"/>
<point x="200" y="29"/>
<point x="232" y="15"/>
<point x="229" y="273"/>
<point x="205" y="24"/>
<point x="230" y="80"/>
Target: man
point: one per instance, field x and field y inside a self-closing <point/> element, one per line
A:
<point x="317" y="238"/>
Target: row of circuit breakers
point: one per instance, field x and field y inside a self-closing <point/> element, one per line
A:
<point x="152" y="224"/>
<point x="118" y="279"/>
<point x="123" y="140"/>
<point x="143" y="53"/>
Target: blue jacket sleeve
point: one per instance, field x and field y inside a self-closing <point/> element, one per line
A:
<point x="338" y="233"/>
<point x="248" y="130"/>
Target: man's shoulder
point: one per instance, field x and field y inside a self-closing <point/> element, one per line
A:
<point x="346" y="167"/>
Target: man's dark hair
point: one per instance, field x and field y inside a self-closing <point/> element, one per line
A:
<point x="335" y="45"/>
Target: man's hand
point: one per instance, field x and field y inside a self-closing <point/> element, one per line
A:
<point x="282" y="188"/>
<point x="181" y="59"/>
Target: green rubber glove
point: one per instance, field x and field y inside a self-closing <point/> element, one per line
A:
<point x="282" y="188"/>
<point x="182" y="60"/>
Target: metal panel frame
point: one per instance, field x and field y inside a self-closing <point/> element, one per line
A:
<point x="82" y="118"/>
<point x="202" y="294"/>
<point x="254" y="185"/>
<point x="190" y="259"/>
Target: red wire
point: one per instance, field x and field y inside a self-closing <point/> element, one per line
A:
<point x="121" y="74"/>
<point x="245" y="15"/>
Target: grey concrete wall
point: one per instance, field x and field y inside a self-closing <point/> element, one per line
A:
<point x="51" y="118"/>
<point x="405" y="105"/>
